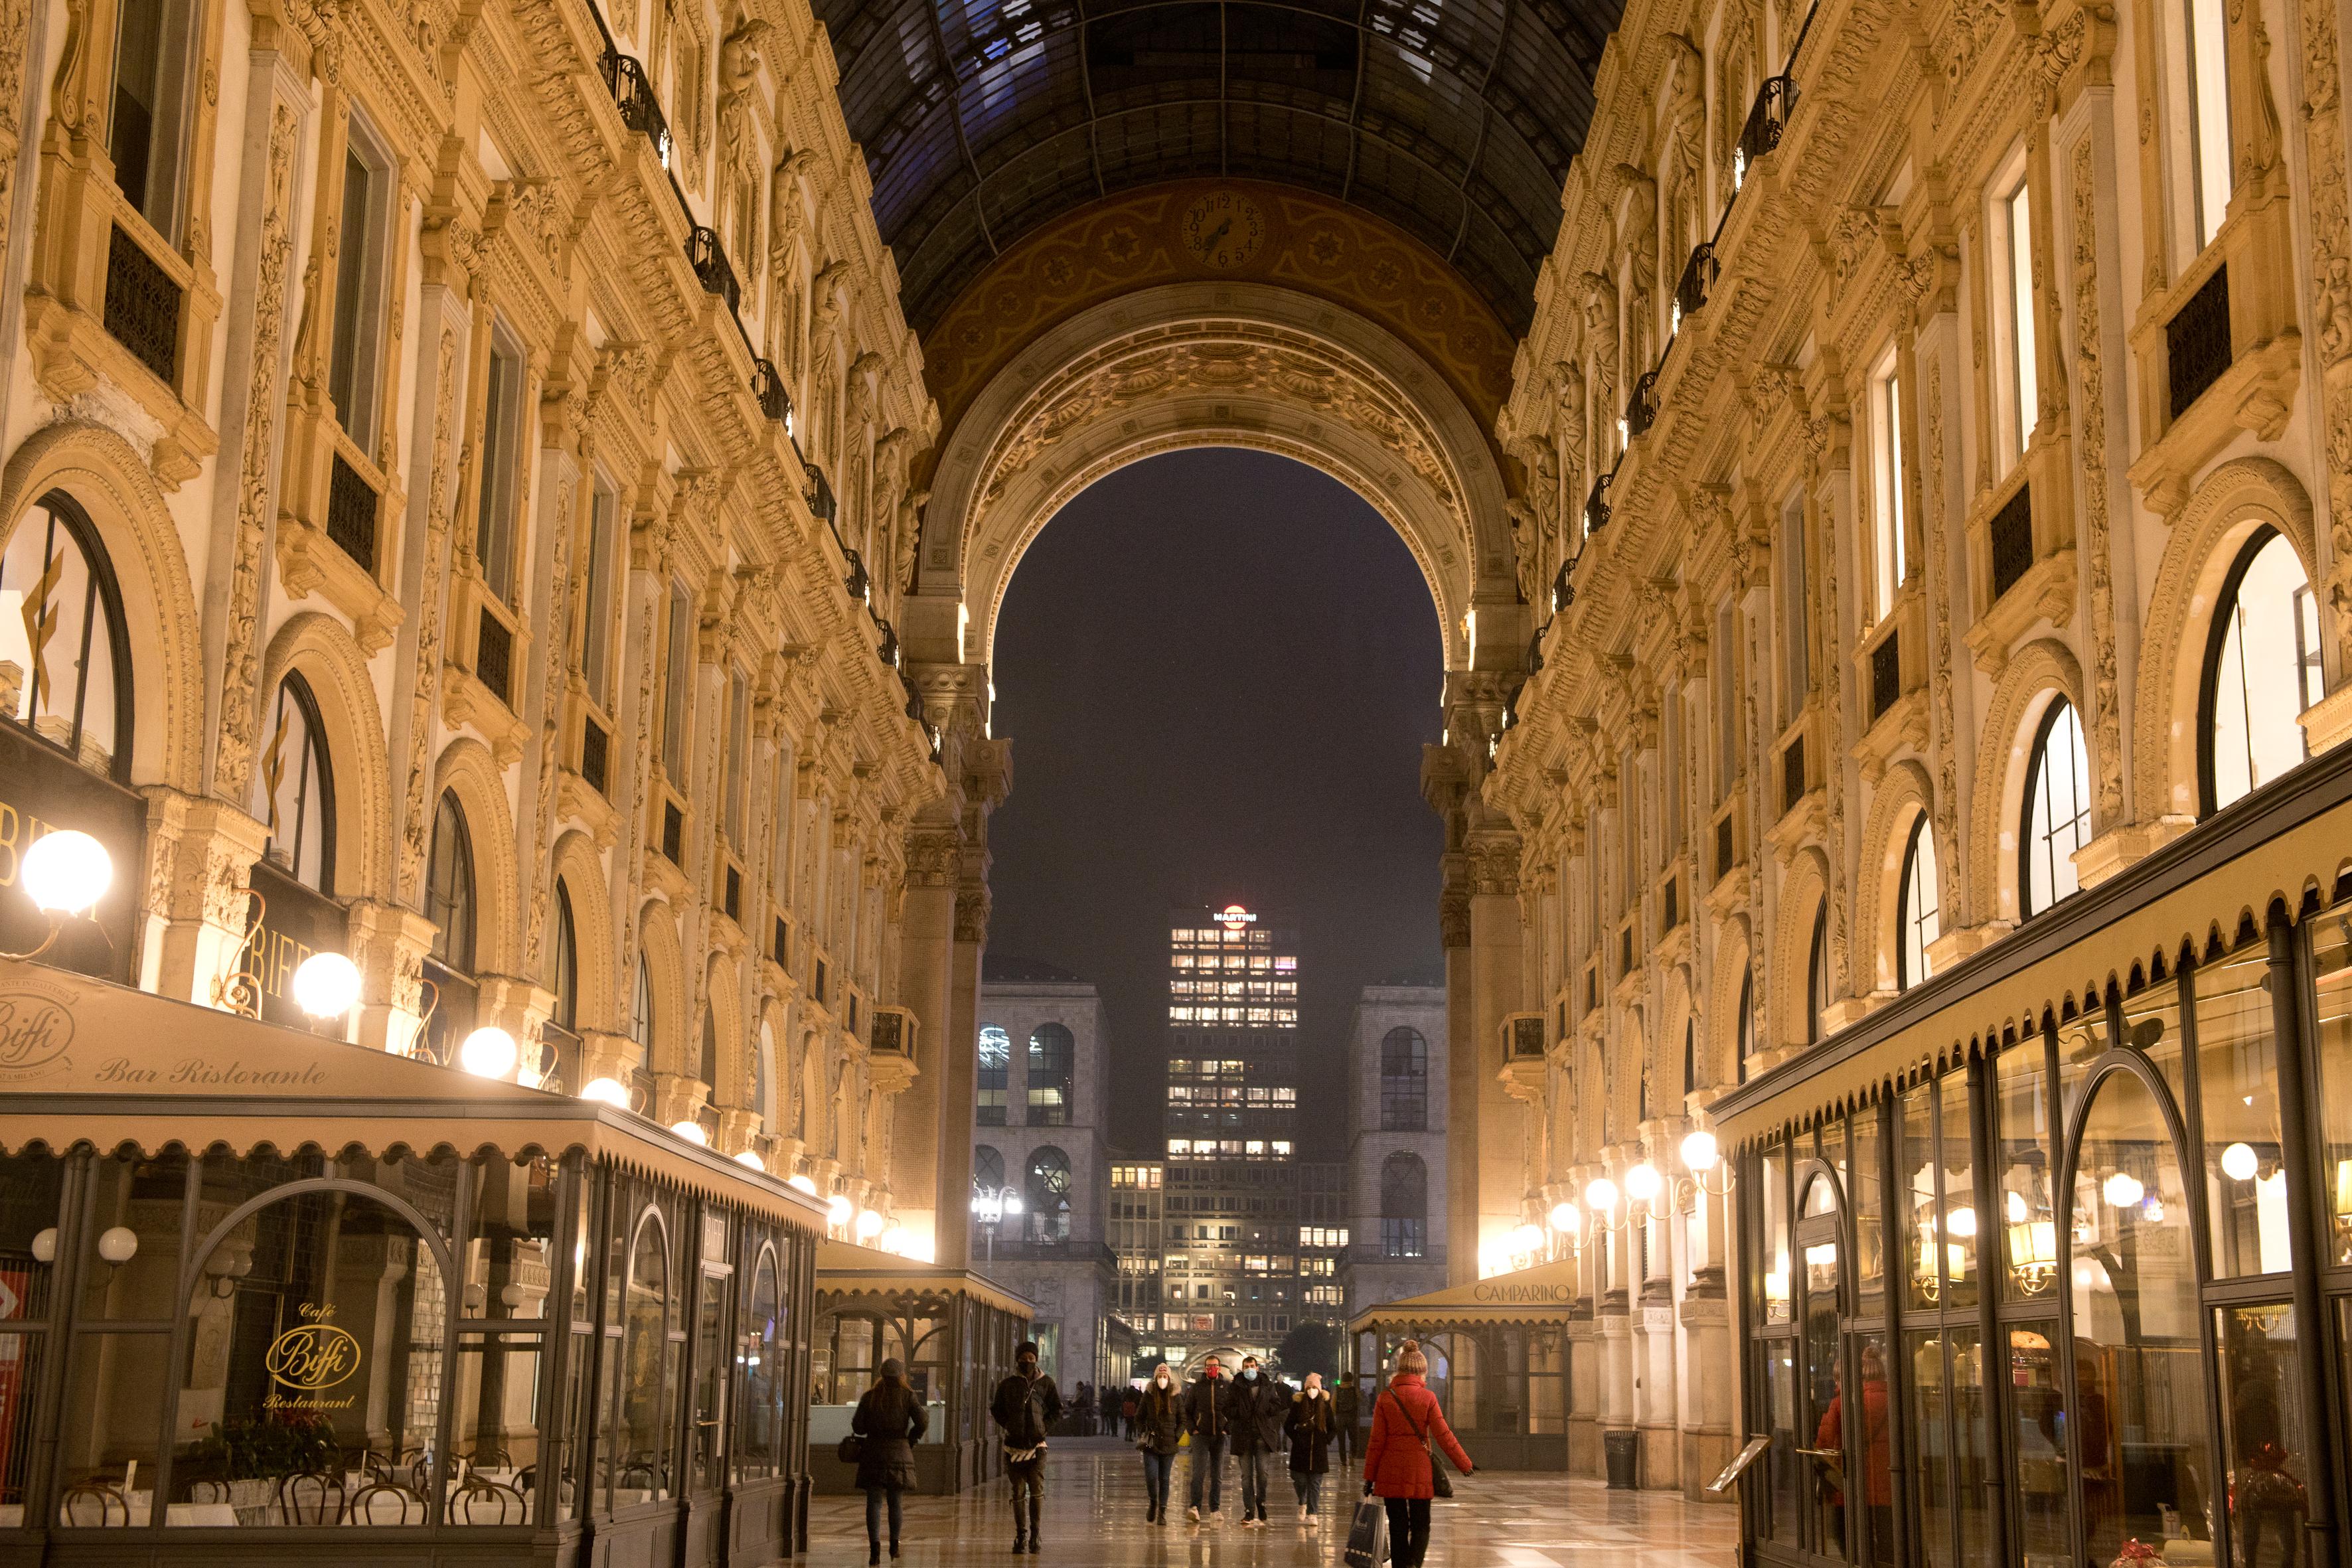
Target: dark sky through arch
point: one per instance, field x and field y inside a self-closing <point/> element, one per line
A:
<point x="1218" y="669"/>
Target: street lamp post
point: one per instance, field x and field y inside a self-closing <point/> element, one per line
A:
<point x="989" y="1205"/>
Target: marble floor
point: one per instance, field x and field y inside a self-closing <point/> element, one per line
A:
<point x="1094" y="1515"/>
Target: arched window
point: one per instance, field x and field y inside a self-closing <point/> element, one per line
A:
<point x="987" y="1168"/>
<point x="2262" y="671"/>
<point x="449" y="888"/>
<point x="1404" y="1205"/>
<point x="763" y="1075"/>
<point x="1817" y="975"/>
<point x="647" y="1366"/>
<point x="641" y="1016"/>
<point x="1746" y="1022"/>
<point x="1051" y="1054"/>
<point x="566" y="976"/>
<point x="61" y="626"/>
<point x="710" y="1050"/>
<point x="2057" y="810"/>
<point x="1919" y="924"/>
<point x="759" y="1351"/>
<point x="1404" y="1080"/>
<point x="296" y="788"/>
<point x="1048" y="1195"/>
<point x="995" y="1069"/>
<point x="1690" y="1056"/>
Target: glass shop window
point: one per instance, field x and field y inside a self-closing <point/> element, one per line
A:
<point x="1776" y="1236"/>
<point x="2331" y="950"/>
<point x="2237" y="1086"/>
<point x="759" y="1351"/>
<point x="645" y="1377"/>
<point x="2029" y="1226"/>
<point x="312" y="1389"/>
<point x="1784" y="1463"/>
<point x="1915" y="1176"/>
<point x="510" y="1261"/>
<point x="496" y="1400"/>
<point x="1869" y="1202"/>
<point x="2038" y="1424"/>
<point x="2139" y="1366"/>
<point x="2265" y="1450"/>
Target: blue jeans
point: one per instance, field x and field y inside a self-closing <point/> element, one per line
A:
<point x="1157" y="1468"/>
<point x="1308" y="1485"/>
<point x="874" y="1497"/>
<point x="1208" y="1467"/>
<point x="1252" y="1469"/>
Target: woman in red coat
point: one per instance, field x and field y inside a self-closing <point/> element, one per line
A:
<point x="1397" y="1465"/>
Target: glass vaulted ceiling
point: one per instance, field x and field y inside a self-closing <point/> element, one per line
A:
<point x="984" y="119"/>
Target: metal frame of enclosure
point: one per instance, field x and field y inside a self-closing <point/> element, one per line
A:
<point x="1498" y="1362"/>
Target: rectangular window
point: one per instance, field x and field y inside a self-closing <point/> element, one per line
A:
<point x="2208" y="119"/>
<point x="149" y="115"/>
<point x="1890" y="563"/>
<point x="739" y="752"/>
<point x="2017" y="211"/>
<point x="1726" y="690"/>
<point x="597" y="613"/>
<point x="675" y="684"/>
<point x="1796" y="626"/>
<point x="493" y="529"/>
<point x="352" y="377"/>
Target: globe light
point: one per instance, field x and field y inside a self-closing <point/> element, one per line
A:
<point x="1012" y="1203"/>
<point x="1700" y="1153"/>
<point x="803" y="1181"/>
<point x="1642" y="1183"/>
<point x="750" y="1158"/>
<point x="1963" y="1222"/>
<point x="2238" y="1161"/>
<point x="1565" y="1219"/>
<point x="488" y="1052"/>
<point x="44" y="1246"/>
<point x="869" y="1225"/>
<point x="326" y="985"/>
<point x="691" y="1131"/>
<point x="66" y="872"/>
<point x="118" y="1244"/>
<point x="606" y="1092"/>
<point x="1602" y="1196"/>
<point x="2122" y="1189"/>
<point x="1527" y="1239"/>
<point x="839" y="1208"/>
<point x="2017" y="1209"/>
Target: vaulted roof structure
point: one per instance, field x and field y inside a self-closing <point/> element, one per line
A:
<point x="983" y="119"/>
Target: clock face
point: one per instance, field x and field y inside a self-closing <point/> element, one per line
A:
<point x="1223" y="229"/>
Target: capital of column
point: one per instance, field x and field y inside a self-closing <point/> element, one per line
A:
<point x="678" y="1098"/>
<point x="736" y="1129"/>
<point x="200" y="852"/>
<point x="388" y="944"/>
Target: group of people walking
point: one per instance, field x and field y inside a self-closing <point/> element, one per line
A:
<point x="1254" y="1417"/>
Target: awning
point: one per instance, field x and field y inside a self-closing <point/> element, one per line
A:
<point x="1544" y="1294"/>
<point x="847" y="1267"/>
<point x="85" y="1061"/>
<point x="2295" y="836"/>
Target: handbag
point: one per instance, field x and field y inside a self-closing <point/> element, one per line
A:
<point x="1440" y="1483"/>
<point x="852" y="1448"/>
<point x="1368" y="1535"/>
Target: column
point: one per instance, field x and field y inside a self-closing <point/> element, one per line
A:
<point x="1497" y="960"/>
<point x="929" y="1184"/>
<point x="195" y="913"/>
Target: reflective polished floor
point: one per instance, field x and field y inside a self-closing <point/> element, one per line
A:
<point x="1094" y="1515"/>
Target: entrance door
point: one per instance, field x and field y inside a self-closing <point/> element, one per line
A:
<point x="1836" y="1426"/>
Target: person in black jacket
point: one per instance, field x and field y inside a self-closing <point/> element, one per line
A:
<point x="1259" y="1405"/>
<point x="1158" y="1425"/>
<point x="1026" y="1405"/>
<point x="1347" y="1415"/>
<point x="1205" y="1417"/>
<point x="1309" y="1426"/>
<point x="892" y="1421"/>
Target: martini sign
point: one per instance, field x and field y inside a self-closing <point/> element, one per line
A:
<point x="1232" y="917"/>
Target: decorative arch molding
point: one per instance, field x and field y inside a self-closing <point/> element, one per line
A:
<point x="467" y="767"/>
<point x="1904" y="796"/>
<point x="674" y="1031"/>
<point x="105" y="475"/>
<point x="581" y="875"/>
<point x="2043" y="669"/>
<point x="321" y="650"/>
<point x="1633" y="1039"/>
<point x="1667" y="1091"/>
<point x="1735" y="957"/>
<point x="2236" y="498"/>
<point x="721" y="996"/>
<point x="774" y="1014"/>
<point x="1806" y="884"/>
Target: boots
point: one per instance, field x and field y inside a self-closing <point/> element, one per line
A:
<point x="1035" y="1543"/>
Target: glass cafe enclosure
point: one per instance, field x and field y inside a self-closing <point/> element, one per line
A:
<point x="2077" y="1229"/>
<point x="569" y="1342"/>
<point x="1498" y="1362"/>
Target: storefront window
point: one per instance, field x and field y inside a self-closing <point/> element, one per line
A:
<point x="1780" y="1421"/>
<point x="640" y="1452"/>
<point x="1973" y="1479"/>
<point x="2029" y="1226"/>
<point x="2262" y="1434"/>
<point x="2237" y="1086"/>
<point x="1959" y="1229"/>
<point x="1869" y="1207"/>
<point x="758" y="1437"/>
<point x="142" y="1200"/>
<point x="1825" y="1383"/>
<point x="1915" y="1175"/>
<point x="710" y="1378"/>
<point x="496" y="1434"/>
<point x="1930" y="1446"/>
<point x="1776" y="1237"/>
<point x="1871" y="1451"/>
<point x="2152" y="1027"/>
<point x="2038" y="1427"/>
<point x="509" y="1263"/>
<point x="2140" y="1434"/>
<point x="2331" y="943"/>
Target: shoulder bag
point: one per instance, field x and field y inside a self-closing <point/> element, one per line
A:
<point x="1440" y="1483"/>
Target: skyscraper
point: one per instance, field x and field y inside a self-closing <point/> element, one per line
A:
<point x="1230" y="1272"/>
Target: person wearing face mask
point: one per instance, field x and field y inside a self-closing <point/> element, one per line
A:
<point x="1205" y="1416"/>
<point x="1309" y="1426"/>
<point x="1025" y="1405"/>
<point x="1399" y="1467"/>
<point x="1259" y="1405"/>
<point x="1159" y="1424"/>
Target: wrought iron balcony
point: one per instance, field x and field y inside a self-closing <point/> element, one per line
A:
<point x="709" y="261"/>
<point x="634" y="96"/>
<point x="768" y="387"/>
<point x="820" y="494"/>
<point x="853" y="577"/>
<point x="1563" y="582"/>
<point x="1776" y="101"/>
<point x="1596" y="506"/>
<point x="1698" y="276"/>
<point x="1641" y="408"/>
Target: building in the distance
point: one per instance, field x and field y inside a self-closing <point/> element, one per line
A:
<point x="1042" y="1098"/>
<point x="1230" y="1270"/>
<point x="1396" y="1155"/>
<point x="1326" y="1215"/>
<point x="1137" y="1229"/>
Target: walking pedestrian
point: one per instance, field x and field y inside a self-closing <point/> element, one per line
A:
<point x="891" y="1420"/>
<point x="1398" y="1465"/>
<point x="1130" y="1405"/>
<point x="1347" y="1413"/>
<point x="1082" y="1408"/>
<point x="1159" y="1419"/>
<point x="1025" y="1407"/>
<point x="1259" y="1406"/>
<point x="1205" y="1417"/>
<point x="1309" y="1426"/>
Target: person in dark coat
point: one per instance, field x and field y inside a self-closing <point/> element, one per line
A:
<point x="892" y="1421"/>
<point x="1347" y="1416"/>
<point x="1310" y="1425"/>
<point x="1128" y="1405"/>
<point x="1259" y="1405"/>
<point x="1025" y="1407"/>
<point x="1397" y="1465"/>
<point x="1206" y="1420"/>
<point x="1157" y="1419"/>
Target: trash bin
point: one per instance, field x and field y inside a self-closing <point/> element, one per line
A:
<point x="1622" y="1453"/>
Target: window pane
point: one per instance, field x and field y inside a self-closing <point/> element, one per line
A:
<point x="1930" y="1447"/>
<point x="1780" y="1421"/>
<point x="495" y="1432"/>
<point x="57" y="625"/>
<point x="107" y="1450"/>
<point x="1960" y="1192"/>
<point x="350" y="376"/>
<point x="598" y="614"/>
<point x="639" y="1455"/>
<point x="1775" y="1216"/>
<point x="2038" y="1427"/>
<point x="2058" y="809"/>
<point x="760" y="1432"/>
<point x="2208" y="80"/>
<point x="1915" y="1176"/>
<point x="2268" y="1462"/>
<point x="2331" y="944"/>
<point x="2025" y="384"/>
<point x="2257" y="691"/>
<point x="1972" y="1476"/>
<point x="1869" y="1205"/>
<point x="2237" y="1083"/>
<point x="2029" y="1226"/>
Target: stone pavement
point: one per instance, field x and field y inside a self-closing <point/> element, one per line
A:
<point x="1094" y="1519"/>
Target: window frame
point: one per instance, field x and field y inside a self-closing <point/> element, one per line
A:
<point x="498" y="530"/>
<point x="1817" y="975"/>
<point x="1908" y="922"/>
<point x="2036" y="758"/>
<point x="449" y="809"/>
<point x="1890" y="549"/>
<point x="101" y="600"/>
<point x="598" y="616"/>
<point x="2198" y="176"/>
<point x="170" y="140"/>
<point x="2016" y="340"/>
<point x="2225" y="605"/>
<point x="362" y="287"/>
<point x="315" y="753"/>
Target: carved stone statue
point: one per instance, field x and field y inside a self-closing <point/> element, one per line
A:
<point x="1568" y="380"/>
<point x="1600" y="342"/>
<point x="739" y="139"/>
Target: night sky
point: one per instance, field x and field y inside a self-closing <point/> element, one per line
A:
<point x="1217" y="670"/>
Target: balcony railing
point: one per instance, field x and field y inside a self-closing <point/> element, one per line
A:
<point x="595" y="755"/>
<point x="350" y="512"/>
<point x="710" y="262"/>
<point x="820" y="494"/>
<point x="494" y="656"/>
<point x="1563" y="585"/>
<point x="1886" y="674"/>
<point x="1767" y="120"/>
<point x="768" y="387"/>
<point x="1641" y="408"/>
<point x="853" y="575"/>
<point x="1596" y="505"/>
<point x="2197" y="343"/>
<point x="634" y="96"/>
<point x="2012" y="538"/>
<point x="142" y="306"/>
<point x="1698" y="276"/>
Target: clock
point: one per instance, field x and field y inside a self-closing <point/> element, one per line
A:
<point x="1223" y="229"/>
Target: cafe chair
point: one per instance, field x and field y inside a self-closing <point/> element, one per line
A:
<point x="492" y="1458"/>
<point x="480" y="1502"/>
<point x="310" y="1497"/>
<point x="210" y="1489"/>
<point x="93" y="1504"/>
<point x="384" y="1503"/>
